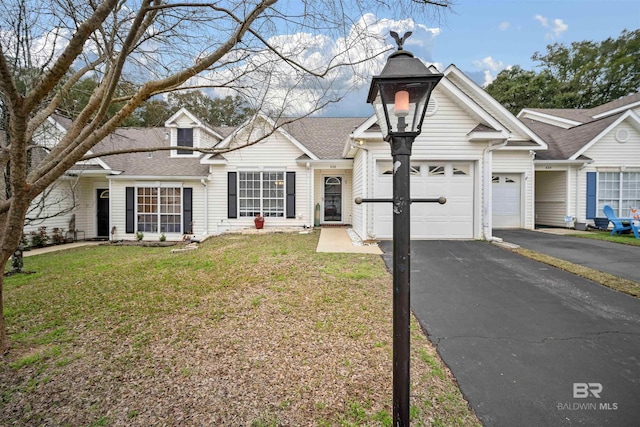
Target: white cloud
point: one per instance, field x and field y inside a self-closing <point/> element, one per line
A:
<point x="489" y="62"/>
<point x="490" y="69"/>
<point x="281" y="86"/>
<point x="504" y="25"/>
<point x="544" y="21"/>
<point x="557" y="28"/>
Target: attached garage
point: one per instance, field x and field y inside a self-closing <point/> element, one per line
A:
<point x="506" y="200"/>
<point x="453" y="180"/>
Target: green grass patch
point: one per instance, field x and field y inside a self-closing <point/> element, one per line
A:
<point x="258" y="329"/>
<point x="626" y="239"/>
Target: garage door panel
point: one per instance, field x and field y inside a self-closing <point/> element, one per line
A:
<point x="454" y="219"/>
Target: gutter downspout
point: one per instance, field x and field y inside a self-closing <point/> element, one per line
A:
<point x="310" y="198"/>
<point x="487" y="161"/>
<point x="203" y="181"/>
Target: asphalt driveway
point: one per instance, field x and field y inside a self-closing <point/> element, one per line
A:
<point x="529" y="344"/>
<point x="617" y="259"/>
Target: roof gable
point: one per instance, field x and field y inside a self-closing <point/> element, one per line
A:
<point x="611" y="123"/>
<point x="515" y="129"/>
<point x="259" y="126"/>
<point x="195" y="122"/>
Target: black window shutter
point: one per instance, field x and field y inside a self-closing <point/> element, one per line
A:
<point x="232" y="195"/>
<point x="291" y="194"/>
<point x="130" y="201"/>
<point x="187" y="210"/>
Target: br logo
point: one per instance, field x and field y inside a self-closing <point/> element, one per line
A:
<point x="584" y="390"/>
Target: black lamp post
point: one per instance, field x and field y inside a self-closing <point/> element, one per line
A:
<point x="400" y="95"/>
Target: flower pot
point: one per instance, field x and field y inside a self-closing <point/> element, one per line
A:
<point x="259" y="222"/>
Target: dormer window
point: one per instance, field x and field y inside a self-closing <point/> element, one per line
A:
<point x="185" y="139"/>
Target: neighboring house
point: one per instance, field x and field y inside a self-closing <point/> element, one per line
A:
<point x="593" y="160"/>
<point x="471" y="151"/>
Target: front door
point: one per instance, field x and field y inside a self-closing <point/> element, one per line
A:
<point x="332" y="199"/>
<point x="102" y="196"/>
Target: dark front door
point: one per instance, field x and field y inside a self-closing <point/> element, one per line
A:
<point x="102" y="196"/>
<point x="333" y="198"/>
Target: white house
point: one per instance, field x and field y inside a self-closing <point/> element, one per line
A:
<point x="593" y="160"/>
<point x="471" y="151"/>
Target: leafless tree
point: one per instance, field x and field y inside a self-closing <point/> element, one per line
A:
<point x="137" y="49"/>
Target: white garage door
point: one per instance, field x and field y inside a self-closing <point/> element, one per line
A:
<point x="505" y="196"/>
<point x="453" y="220"/>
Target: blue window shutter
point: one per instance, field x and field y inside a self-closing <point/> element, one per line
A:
<point x="291" y="194"/>
<point x="592" y="197"/>
<point x="130" y="201"/>
<point x="187" y="211"/>
<point x="232" y="195"/>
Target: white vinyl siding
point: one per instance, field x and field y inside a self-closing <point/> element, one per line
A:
<point x="274" y="154"/>
<point x="57" y="203"/>
<point x="358" y="188"/>
<point x="551" y="198"/>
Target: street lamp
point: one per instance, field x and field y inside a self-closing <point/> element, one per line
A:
<point x="400" y="95"/>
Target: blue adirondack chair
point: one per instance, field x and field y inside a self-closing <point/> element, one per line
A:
<point x="618" y="226"/>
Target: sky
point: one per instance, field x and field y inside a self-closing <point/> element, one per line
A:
<point x="483" y="37"/>
<point x="489" y="35"/>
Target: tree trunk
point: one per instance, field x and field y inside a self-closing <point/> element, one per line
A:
<point x="4" y="339"/>
<point x="10" y="235"/>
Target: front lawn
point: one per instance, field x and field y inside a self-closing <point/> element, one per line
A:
<point x="627" y="239"/>
<point x="245" y="331"/>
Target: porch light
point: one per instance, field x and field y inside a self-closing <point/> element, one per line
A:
<point x="400" y="95"/>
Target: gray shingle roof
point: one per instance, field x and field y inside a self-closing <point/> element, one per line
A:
<point x="564" y="143"/>
<point x="323" y="136"/>
<point x="158" y="163"/>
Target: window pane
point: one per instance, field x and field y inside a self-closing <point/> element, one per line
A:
<point x="185" y="139"/>
<point x="264" y="194"/>
<point x="620" y="190"/>
<point x="154" y="204"/>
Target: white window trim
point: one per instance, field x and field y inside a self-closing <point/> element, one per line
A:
<point x="262" y="171"/>
<point x="159" y="186"/>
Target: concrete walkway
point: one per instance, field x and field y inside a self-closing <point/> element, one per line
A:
<point x="57" y="248"/>
<point x="337" y="239"/>
<point x="332" y="239"/>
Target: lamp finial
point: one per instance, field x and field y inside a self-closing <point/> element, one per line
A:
<point x="400" y="40"/>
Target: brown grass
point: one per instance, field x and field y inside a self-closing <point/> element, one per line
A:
<point x="245" y="331"/>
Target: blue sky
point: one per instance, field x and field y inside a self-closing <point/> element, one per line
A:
<point x="511" y="31"/>
<point x="483" y="37"/>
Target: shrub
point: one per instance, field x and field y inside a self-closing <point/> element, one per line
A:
<point x="58" y="235"/>
<point x="39" y="238"/>
<point x="139" y="235"/>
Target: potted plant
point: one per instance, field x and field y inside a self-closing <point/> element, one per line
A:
<point x="139" y="236"/>
<point x="259" y="221"/>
